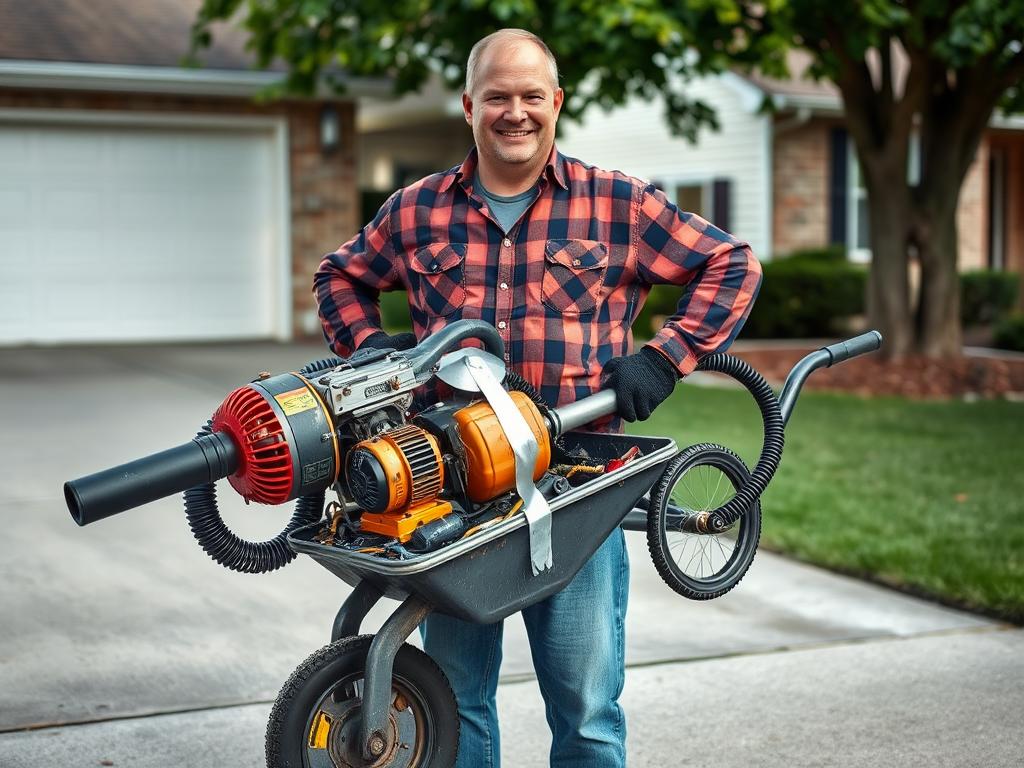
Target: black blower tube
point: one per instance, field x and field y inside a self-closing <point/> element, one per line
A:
<point x="205" y="459"/>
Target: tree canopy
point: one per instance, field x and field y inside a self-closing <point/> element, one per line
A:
<point x="931" y="69"/>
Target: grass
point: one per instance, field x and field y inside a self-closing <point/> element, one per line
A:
<point x="924" y="496"/>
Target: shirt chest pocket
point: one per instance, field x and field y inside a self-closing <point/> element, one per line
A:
<point x="573" y="275"/>
<point x="440" y="279"/>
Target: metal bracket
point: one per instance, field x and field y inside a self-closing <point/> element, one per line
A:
<point x="380" y="662"/>
<point x="354" y="609"/>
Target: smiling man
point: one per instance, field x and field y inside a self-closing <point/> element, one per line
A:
<point x="558" y="256"/>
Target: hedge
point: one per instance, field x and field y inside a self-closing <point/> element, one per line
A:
<point x="1009" y="333"/>
<point x="986" y="296"/>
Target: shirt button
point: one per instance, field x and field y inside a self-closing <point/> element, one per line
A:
<point x="504" y="286"/>
<point x="575" y="262"/>
<point x="501" y="324"/>
<point x="507" y="243"/>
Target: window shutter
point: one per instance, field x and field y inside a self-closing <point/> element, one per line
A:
<point x="838" y="187"/>
<point x="720" y="203"/>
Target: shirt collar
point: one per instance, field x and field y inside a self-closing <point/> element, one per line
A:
<point x="554" y="169"/>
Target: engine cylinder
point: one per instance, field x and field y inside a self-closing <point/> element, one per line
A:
<point x="490" y="462"/>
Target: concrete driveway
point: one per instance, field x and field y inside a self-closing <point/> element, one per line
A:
<point x="122" y="644"/>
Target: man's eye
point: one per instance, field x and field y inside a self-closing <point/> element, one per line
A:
<point x="496" y="99"/>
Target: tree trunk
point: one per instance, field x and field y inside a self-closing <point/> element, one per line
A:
<point x="938" y="312"/>
<point x="888" y="281"/>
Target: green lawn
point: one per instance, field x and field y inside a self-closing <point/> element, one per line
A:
<point x="925" y="496"/>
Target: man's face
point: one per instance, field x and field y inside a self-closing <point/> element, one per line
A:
<point x="514" y="106"/>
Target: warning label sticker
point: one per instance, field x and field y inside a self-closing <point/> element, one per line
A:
<point x="296" y="401"/>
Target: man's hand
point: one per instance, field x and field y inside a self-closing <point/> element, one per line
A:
<point x="641" y="381"/>
<point x="381" y="340"/>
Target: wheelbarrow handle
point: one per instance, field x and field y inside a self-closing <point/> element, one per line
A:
<point x="858" y="345"/>
<point x="825" y="357"/>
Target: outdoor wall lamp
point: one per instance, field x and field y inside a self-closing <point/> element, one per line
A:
<point x="330" y="129"/>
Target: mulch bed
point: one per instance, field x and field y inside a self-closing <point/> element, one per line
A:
<point x="914" y="377"/>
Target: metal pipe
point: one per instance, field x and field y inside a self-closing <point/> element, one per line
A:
<point x="380" y="662"/>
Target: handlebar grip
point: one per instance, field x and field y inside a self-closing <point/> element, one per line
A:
<point x="858" y="345"/>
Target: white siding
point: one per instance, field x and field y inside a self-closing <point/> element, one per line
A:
<point x="635" y="139"/>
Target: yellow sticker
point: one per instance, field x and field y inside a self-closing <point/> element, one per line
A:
<point x="296" y="401"/>
<point x="321" y="728"/>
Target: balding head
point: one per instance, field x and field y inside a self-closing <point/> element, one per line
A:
<point x="505" y="37"/>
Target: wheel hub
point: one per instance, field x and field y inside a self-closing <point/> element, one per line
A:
<point x="343" y="742"/>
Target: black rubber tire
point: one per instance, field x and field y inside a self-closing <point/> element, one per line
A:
<point x="746" y="531"/>
<point x="415" y="676"/>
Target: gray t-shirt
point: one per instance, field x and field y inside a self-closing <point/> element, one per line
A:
<point x="506" y="210"/>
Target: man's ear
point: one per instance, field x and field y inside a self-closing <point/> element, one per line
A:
<point x="557" y="103"/>
<point x="467" y="108"/>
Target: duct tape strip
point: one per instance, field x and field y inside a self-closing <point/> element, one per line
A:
<point x="524" y="448"/>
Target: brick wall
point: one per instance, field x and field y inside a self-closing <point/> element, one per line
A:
<point x="972" y="213"/>
<point x="800" y="171"/>
<point x="324" y="198"/>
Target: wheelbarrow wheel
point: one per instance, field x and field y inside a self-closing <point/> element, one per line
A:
<point x="701" y="566"/>
<point x="315" y="721"/>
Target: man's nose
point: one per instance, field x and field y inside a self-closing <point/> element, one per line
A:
<point x="514" y="112"/>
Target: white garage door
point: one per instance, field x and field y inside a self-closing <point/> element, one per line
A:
<point x="132" y="233"/>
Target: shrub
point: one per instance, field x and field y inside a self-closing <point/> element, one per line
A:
<point x="987" y="295"/>
<point x="1009" y="333"/>
<point x="806" y="296"/>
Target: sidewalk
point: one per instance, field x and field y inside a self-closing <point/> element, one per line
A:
<point x="116" y="624"/>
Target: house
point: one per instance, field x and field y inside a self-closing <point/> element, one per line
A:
<point x="142" y="200"/>
<point x="782" y="182"/>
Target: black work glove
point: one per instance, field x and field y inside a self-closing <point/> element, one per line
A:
<point x="641" y="381"/>
<point x="381" y="340"/>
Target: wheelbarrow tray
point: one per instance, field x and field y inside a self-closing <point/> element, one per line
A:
<point x="487" y="576"/>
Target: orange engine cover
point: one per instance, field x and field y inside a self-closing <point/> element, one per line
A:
<point x="491" y="465"/>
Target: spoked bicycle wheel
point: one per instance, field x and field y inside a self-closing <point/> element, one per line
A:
<point x="315" y="721"/>
<point x="699" y="565"/>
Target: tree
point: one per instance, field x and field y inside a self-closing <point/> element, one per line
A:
<point x="938" y="68"/>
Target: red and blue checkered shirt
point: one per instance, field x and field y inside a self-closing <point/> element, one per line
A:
<point x="563" y="287"/>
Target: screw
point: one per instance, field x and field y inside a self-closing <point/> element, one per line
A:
<point x="377" y="744"/>
<point x="346" y="391"/>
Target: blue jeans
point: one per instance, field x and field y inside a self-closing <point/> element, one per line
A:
<point x="577" y="640"/>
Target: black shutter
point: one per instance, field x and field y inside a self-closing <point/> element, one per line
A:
<point x="838" y="186"/>
<point x="720" y="204"/>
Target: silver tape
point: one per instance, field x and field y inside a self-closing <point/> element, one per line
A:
<point x="524" y="448"/>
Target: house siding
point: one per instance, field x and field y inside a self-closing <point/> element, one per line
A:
<point x="322" y="189"/>
<point x="635" y="140"/>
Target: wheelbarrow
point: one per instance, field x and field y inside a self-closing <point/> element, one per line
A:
<point x="375" y="700"/>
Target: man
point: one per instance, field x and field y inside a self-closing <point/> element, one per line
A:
<point x="559" y="257"/>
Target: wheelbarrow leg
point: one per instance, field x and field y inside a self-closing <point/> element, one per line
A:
<point x="354" y="609"/>
<point x="377" y="680"/>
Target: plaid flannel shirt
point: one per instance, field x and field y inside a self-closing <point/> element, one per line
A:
<point x="563" y="287"/>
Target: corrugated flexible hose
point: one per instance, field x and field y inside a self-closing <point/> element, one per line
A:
<point x="774" y="437"/>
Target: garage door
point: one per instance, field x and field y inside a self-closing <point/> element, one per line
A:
<point x="139" y="234"/>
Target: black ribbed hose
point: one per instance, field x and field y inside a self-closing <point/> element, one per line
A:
<point x="231" y="551"/>
<point x="774" y="437"/>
